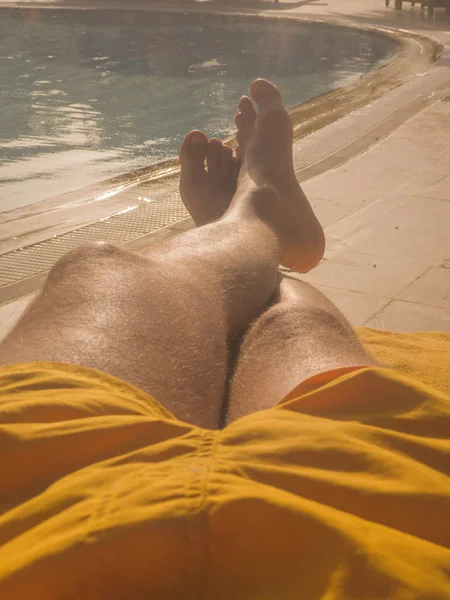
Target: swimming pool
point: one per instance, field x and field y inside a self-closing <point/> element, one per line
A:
<point x="88" y="95"/>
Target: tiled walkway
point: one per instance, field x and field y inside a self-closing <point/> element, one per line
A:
<point x="387" y="212"/>
<point x="387" y="219"/>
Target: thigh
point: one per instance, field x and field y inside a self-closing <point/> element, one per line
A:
<point x="301" y="335"/>
<point x="132" y="317"/>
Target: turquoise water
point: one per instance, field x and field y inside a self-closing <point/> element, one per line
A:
<point x="87" y="95"/>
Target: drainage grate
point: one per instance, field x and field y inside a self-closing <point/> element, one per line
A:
<point x="119" y="229"/>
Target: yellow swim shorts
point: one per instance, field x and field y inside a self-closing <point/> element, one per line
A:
<point x="341" y="491"/>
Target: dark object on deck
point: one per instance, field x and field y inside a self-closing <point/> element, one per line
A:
<point x="431" y="4"/>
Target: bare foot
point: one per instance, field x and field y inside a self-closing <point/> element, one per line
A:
<point x="206" y="193"/>
<point x="265" y="148"/>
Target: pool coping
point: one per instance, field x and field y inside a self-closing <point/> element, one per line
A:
<point x="308" y="117"/>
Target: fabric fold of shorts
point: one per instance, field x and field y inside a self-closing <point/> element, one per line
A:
<point x="341" y="491"/>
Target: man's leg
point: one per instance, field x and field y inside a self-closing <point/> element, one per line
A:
<point x="301" y="335"/>
<point x="164" y="321"/>
<point x="161" y="322"/>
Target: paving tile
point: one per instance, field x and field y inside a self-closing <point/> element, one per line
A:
<point x="427" y="131"/>
<point x="418" y="181"/>
<point x="329" y="211"/>
<point x="11" y="312"/>
<point x="431" y="288"/>
<point x="359" y="221"/>
<point x="410" y="153"/>
<point x="422" y="148"/>
<point x="440" y="190"/>
<point x="408" y="316"/>
<point x="417" y="230"/>
<point x="343" y="185"/>
<point x="376" y="172"/>
<point x="355" y="306"/>
<point x="366" y="274"/>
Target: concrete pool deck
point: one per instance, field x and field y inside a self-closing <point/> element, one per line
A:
<point x="379" y="179"/>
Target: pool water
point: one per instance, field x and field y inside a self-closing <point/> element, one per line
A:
<point x="88" y="95"/>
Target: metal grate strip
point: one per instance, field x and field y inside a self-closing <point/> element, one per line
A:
<point x="119" y="229"/>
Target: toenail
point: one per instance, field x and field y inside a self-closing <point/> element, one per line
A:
<point x="197" y="138"/>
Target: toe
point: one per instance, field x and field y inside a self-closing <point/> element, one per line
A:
<point x="193" y="151"/>
<point x="247" y="109"/>
<point x="214" y="155"/>
<point x="266" y="95"/>
<point x="238" y="150"/>
<point x="240" y="122"/>
<point x="236" y="167"/>
<point x="239" y="141"/>
<point x="227" y="161"/>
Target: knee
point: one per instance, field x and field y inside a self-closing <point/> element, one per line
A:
<point x="275" y="322"/>
<point x="89" y="257"/>
<point x="89" y="253"/>
<point x="303" y="302"/>
<point x="289" y="318"/>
